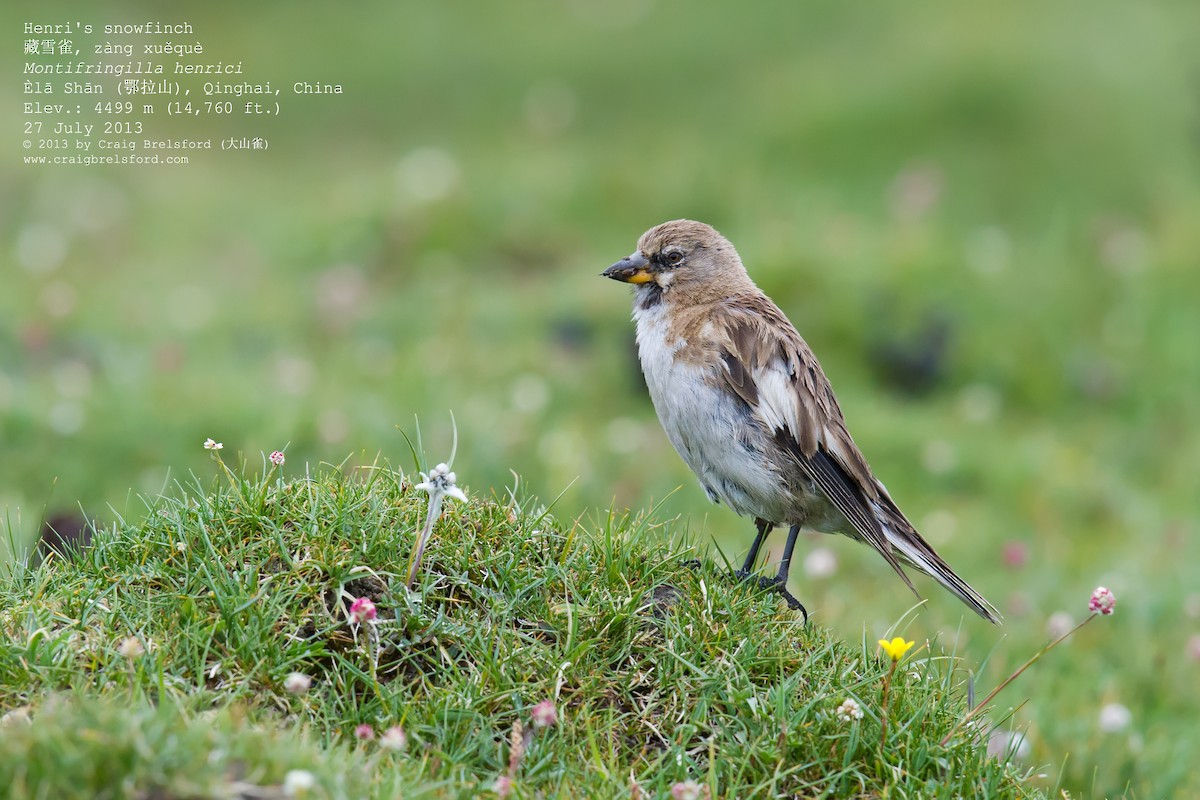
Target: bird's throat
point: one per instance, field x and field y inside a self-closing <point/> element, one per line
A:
<point x="648" y="295"/>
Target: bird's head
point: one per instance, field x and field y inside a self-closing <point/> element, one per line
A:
<point x="683" y="258"/>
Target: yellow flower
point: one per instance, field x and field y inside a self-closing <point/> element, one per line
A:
<point x="896" y="648"/>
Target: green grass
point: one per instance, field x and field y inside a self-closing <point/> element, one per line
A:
<point x="660" y="671"/>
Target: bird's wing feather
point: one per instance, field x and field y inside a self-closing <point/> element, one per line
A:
<point x="770" y="367"/>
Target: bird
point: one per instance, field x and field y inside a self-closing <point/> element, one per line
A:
<point x="748" y="408"/>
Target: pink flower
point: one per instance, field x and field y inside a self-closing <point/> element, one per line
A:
<point x="394" y="738"/>
<point x="503" y="786"/>
<point x="277" y="458"/>
<point x="544" y="714"/>
<point x="685" y="790"/>
<point x="1103" y="601"/>
<point x="362" y="610"/>
<point x="364" y="732"/>
<point x="1015" y="554"/>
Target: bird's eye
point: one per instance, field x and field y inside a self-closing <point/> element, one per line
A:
<point x="675" y="258"/>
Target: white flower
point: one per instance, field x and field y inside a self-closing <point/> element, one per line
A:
<point x="131" y="647"/>
<point x="298" y="782"/>
<point x="1008" y="745"/>
<point x="849" y="710"/>
<point x="440" y="485"/>
<point x="820" y="563"/>
<point x="210" y="444"/>
<point x="1115" y="718"/>
<point x="18" y="716"/>
<point x="394" y="738"/>
<point x="297" y="683"/>
<point x="1059" y="624"/>
<point x="440" y="481"/>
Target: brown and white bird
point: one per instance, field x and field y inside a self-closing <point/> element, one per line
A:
<point x="745" y="403"/>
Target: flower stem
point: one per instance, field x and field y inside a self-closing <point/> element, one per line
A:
<point x="435" y="510"/>
<point x="983" y="703"/>
<point x="883" y="706"/>
<point x="233" y="482"/>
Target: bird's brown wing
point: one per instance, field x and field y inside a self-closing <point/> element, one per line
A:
<point x="771" y="368"/>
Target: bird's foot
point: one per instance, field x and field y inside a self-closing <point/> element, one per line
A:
<point x="780" y="587"/>
<point x="692" y="563"/>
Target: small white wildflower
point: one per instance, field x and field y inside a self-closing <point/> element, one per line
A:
<point x="1059" y="624"/>
<point x="440" y="484"/>
<point x="1115" y="718"/>
<point x="18" y="716"/>
<point x="394" y="738"/>
<point x="211" y="444"/>
<point x="298" y="782"/>
<point x="181" y="547"/>
<point x="820" y="563"/>
<point x="277" y="458"/>
<point x="297" y="683"/>
<point x="849" y="710"/>
<point x="131" y="647"/>
<point x="441" y="481"/>
<point x="1009" y="745"/>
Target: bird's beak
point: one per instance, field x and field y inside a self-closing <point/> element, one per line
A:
<point x="630" y="270"/>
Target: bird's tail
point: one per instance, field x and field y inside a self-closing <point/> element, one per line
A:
<point x="913" y="549"/>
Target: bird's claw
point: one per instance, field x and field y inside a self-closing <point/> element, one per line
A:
<point x="780" y="587"/>
<point x="692" y="563"/>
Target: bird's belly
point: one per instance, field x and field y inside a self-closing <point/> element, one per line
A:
<point x="714" y="434"/>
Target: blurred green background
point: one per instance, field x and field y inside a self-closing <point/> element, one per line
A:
<point x="1005" y="196"/>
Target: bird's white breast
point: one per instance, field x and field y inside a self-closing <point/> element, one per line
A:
<point x="706" y="423"/>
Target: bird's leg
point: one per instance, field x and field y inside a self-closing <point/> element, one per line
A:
<point x="747" y="569"/>
<point x="779" y="582"/>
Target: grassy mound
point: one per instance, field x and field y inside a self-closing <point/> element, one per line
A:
<point x="155" y="663"/>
